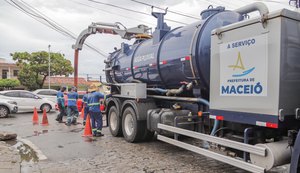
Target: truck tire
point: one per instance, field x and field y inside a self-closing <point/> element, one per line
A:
<point x="133" y="130"/>
<point x="114" y="122"/>
<point x="3" y="112"/>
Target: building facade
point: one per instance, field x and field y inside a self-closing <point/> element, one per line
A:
<point x="8" y="70"/>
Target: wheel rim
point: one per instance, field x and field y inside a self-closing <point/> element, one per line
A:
<point x="113" y="121"/>
<point x="128" y="124"/>
<point x="3" y="112"/>
<point x="46" y="107"/>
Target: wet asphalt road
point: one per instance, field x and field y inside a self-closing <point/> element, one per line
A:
<point x="67" y="151"/>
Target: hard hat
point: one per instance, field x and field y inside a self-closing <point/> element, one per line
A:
<point x="93" y="88"/>
<point x="63" y="87"/>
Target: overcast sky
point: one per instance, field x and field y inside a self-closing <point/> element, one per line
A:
<point x="20" y="32"/>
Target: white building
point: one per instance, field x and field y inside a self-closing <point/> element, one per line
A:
<point x="8" y="70"/>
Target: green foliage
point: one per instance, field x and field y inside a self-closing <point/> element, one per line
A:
<point x="9" y="83"/>
<point x="34" y="67"/>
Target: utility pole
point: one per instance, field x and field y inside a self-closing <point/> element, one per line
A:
<point x="49" y="75"/>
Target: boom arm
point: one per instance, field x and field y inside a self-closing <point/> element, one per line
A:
<point x="105" y="28"/>
<point x="110" y="28"/>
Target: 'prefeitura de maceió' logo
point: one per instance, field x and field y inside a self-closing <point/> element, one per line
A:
<point x="241" y="68"/>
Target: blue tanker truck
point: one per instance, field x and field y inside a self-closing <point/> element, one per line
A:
<point x="226" y="80"/>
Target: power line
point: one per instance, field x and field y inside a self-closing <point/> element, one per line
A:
<point x="26" y="12"/>
<point x="134" y="11"/>
<point x="170" y="11"/>
<point x="109" y="12"/>
<point x="64" y="30"/>
<point x="40" y="17"/>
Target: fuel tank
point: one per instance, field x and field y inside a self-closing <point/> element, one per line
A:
<point x="180" y="55"/>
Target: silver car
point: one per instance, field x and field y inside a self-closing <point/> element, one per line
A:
<point x="50" y="94"/>
<point x="7" y="107"/>
<point x="27" y="101"/>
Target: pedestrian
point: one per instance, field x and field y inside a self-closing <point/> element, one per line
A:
<point x="61" y="104"/>
<point x="94" y="109"/>
<point x="72" y="107"/>
<point x="85" y="106"/>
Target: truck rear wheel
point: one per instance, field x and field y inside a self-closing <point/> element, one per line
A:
<point x="114" y="121"/>
<point x="133" y="130"/>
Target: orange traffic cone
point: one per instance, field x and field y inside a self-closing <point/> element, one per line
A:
<point x="82" y="112"/>
<point x="45" y="119"/>
<point x="87" y="129"/>
<point x="35" y="117"/>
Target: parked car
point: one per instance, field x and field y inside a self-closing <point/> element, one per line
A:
<point x="27" y="100"/>
<point x="7" y="107"/>
<point x="50" y="94"/>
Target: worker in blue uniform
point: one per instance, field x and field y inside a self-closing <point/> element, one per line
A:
<point x="61" y="104"/>
<point x="85" y="106"/>
<point x="72" y="107"/>
<point x="94" y="110"/>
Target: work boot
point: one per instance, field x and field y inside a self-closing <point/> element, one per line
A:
<point x="74" y="121"/>
<point x="68" y="123"/>
<point x="98" y="134"/>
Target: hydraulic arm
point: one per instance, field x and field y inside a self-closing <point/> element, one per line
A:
<point x="106" y="28"/>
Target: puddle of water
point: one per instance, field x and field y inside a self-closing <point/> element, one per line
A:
<point x="37" y="133"/>
<point x="89" y="139"/>
<point x="77" y="130"/>
<point x="5" y="125"/>
<point x="26" y="152"/>
<point x="44" y="131"/>
<point x="60" y="146"/>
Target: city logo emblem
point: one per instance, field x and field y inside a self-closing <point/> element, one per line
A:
<point x="239" y="65"/>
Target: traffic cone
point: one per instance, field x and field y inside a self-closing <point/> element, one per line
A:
<point x="82" y="112"/>
<point x="35" y="117"/>
<point x="45" y="119"/>
<point x="87" y="129"/>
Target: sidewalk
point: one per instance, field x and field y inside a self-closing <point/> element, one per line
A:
<point x="10" y="160"/>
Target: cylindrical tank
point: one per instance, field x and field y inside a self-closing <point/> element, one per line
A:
<point x="183" y="54"/>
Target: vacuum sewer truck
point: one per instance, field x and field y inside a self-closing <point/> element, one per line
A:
<point x="228" y="81"/>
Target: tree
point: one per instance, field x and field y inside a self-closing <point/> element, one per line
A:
<point x="34" y="67"/>
<point x="9" y="83"/>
